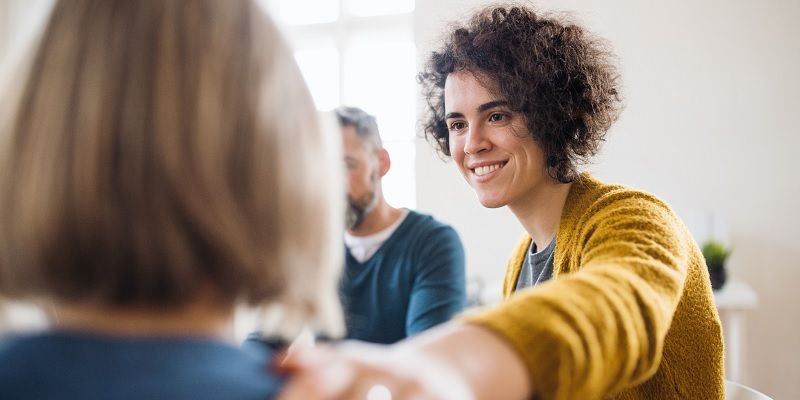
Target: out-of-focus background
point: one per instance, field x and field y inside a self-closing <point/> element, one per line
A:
<point x="712" y="99"/>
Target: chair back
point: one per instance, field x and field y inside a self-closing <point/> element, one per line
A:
<point x="737" y="391"/>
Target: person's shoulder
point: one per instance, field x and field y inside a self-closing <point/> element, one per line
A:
<point x="242" y="371"/>
<point x="596" y="207"/>
<point x="598" y="197"/>
<point x="425" y="224"/>
<point x="146" y="364"/>
<point x="24" y="360"/>
<point x="9" y="355"/>
<point x="17" y="350"/>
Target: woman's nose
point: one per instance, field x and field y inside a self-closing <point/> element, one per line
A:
<point x="476" y="141"/>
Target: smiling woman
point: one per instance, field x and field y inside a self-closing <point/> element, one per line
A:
<point x="607" y="295"/>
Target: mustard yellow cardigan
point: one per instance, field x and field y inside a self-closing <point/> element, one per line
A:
<point x="629" y="313"/>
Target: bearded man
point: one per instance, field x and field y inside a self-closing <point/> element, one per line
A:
<point x="404" y="270"/>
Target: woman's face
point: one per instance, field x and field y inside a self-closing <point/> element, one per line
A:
<point x="491" y="144"/>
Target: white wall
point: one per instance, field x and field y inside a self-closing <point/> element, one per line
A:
<point x="712" y="102"/>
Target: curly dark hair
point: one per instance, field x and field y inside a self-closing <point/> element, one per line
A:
<point x="561" y="78"/>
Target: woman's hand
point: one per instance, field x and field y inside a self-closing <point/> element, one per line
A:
<point x="453" y="362"/>
<point x="351" y="370"/>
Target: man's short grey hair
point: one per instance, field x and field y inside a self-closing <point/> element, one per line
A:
<point x="365" y="125"/>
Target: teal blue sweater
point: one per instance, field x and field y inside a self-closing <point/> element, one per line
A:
<point x="414" y="281"/>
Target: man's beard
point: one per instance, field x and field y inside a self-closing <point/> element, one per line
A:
<point x="358" y="209"/>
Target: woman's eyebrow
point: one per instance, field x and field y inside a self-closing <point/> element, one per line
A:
<point x="492" y="104"/>
<point x="483" y="107"/>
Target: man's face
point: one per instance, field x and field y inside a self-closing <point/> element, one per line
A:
<point x="363" y="177"/>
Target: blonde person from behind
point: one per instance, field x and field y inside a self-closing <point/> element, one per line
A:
<point x="607" y="294"/>
<point x="161" y="162"/>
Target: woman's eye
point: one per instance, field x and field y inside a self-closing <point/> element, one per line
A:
<point x="497" y="117"/>
<point x="457" y="126"/>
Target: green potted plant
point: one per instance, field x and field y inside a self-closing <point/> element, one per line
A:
<point x="716" y="254"/>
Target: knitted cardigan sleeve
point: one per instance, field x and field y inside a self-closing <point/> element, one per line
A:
<point x="600" y="326"/>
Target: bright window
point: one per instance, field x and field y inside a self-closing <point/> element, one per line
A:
<point x="320" y="68"/>
<point x="361" y="53"/>
<point x="367" y="8"/>
<point x="301" y="12"/>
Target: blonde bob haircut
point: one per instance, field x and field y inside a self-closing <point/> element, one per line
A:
<point x="156" y="148"/>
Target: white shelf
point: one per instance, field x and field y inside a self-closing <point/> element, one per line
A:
<point x="736" y="295"/>
<point x="733" y="300"/>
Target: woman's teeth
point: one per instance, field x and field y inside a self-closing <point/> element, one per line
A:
<point x="487" y="169"/>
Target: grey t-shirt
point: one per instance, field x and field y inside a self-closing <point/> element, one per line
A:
<point x="537" y="267"/>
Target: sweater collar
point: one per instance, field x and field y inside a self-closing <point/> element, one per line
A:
<point x="574" y="208"/>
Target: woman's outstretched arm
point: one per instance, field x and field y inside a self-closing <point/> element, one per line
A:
<point x="453" y="361"/>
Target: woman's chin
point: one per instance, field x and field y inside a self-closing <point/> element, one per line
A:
<point x="490" y="202"/>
